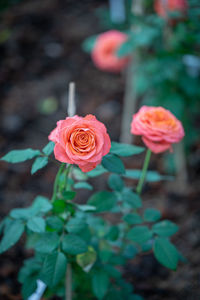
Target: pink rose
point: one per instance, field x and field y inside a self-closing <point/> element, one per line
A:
<point x="104" y="51"/>
<point x="158" y="127"/>
<point x="80" y="141"/>
<point x="164" y="7"/>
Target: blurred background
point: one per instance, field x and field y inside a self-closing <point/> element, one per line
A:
<point x="46" y="44"/>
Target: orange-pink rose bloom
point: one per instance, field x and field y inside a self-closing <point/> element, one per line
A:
<point x="80" y="141"/>
<point x="158" y="127"/>
<point x="104" y="52"/>
<point x="163" y="7"/>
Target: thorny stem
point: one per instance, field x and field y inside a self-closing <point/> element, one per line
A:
<point x="144" y="171"/>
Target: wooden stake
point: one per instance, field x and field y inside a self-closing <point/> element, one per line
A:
<point x="71" y="109"/>
<point x="130" y="98"/>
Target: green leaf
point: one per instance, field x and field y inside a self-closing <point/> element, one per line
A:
<point x="55" y="223"/>
<point x="126" y="48"/>
<point x="78" y="174"/>
<point x="22" y="213"/>
<point x="36" y="224"/>
<point x="89" y="43"/>
<point x="152" y="215"/>
<point x="39" y="163"/>
<point x="125" y="149"/>
<point x="132" y="219"/>
<point x="59" y="206"/>
<point x="147" y="246"/>
<point x="69" y="195"/>
<point x="139" y="234"/>
<point x="99" y="170"/>
<point x="131" y="198"/>
<point x="87" y="259"/>
<point x="86" y="207"/>
<point x="115" y="182"/>
<point x="113" y="164"/>
<point x="29" y="286"/>
<point x="100" y="283"/>
<point x="151" y="176"/>
<point x="75" y="225"/>
<point x="47" y="242"/>
<point x="166" y="253"/>
<point x="53" y="269"/>
<point x="165" y="228"/>
<point x="112" y="271"/>
<point x="16" y="156"/>
<point x="41" y="204"/>
<point x="83" y="185"/>
<point x="48" y="149"/>
<point x="31" y="267"/>
<point x="103" y="201"/>
<point x="113" y="233"/>
<point x="130" y="251"/>
<point x="73" y="244"/>
<point x="12" y="234"/>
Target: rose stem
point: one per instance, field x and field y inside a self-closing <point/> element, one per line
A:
<point x="55" y="187"/>
<point x="144" y="171"/>
<point x="71" y="112"/>
<point x="131" y="96"/>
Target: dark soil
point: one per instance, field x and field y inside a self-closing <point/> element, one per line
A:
<point x="41" y="55"/>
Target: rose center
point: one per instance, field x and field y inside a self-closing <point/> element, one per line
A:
<point x="160" y="119"/>
<point x="82" y="140"/>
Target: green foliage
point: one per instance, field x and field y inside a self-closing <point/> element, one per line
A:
<point x="47" y="242"/>
<point x="38" y="164"/>
<point x="103" y="201"/>
<point x="59" y="206"/>
<point x="53" y="268"/>
<point x="83" y="185"/>
<point x="131" y="198"/>
<point x="132" y="219"/>
<point x="12" y="233"/>
<point x="165" y="228"/>
<point x="100" y="283"/>
<point x="113" y="164"/>
<point x="99" y="170"/>
<point x="29" y="286"/>
<point x="36" y="224"/>
<point x="139" y="234"/>
<point x="151" y="215"/>
<point x="166" y="253"/>
<point x="55" y="223"/>
<point x="115" y="182"/>
<point x="125" y="149"/>
<point x="86" y="260"/>
<point x="73" y="244"/>
<point x="144" y="36"/>
<point x="113" y="233"/>
<point x="48" y="149"/>
<point x="69" y="195"/>
<point x="151" y="176"/>
<point x="40" y="206"/>
<point x="75" y="225"/>
<point x="17" y="156"/>
<point x="89" y="43"/>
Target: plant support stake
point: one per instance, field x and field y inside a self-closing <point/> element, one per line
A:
<point x="71" y="112"/>
<point x="130" y="98"/>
